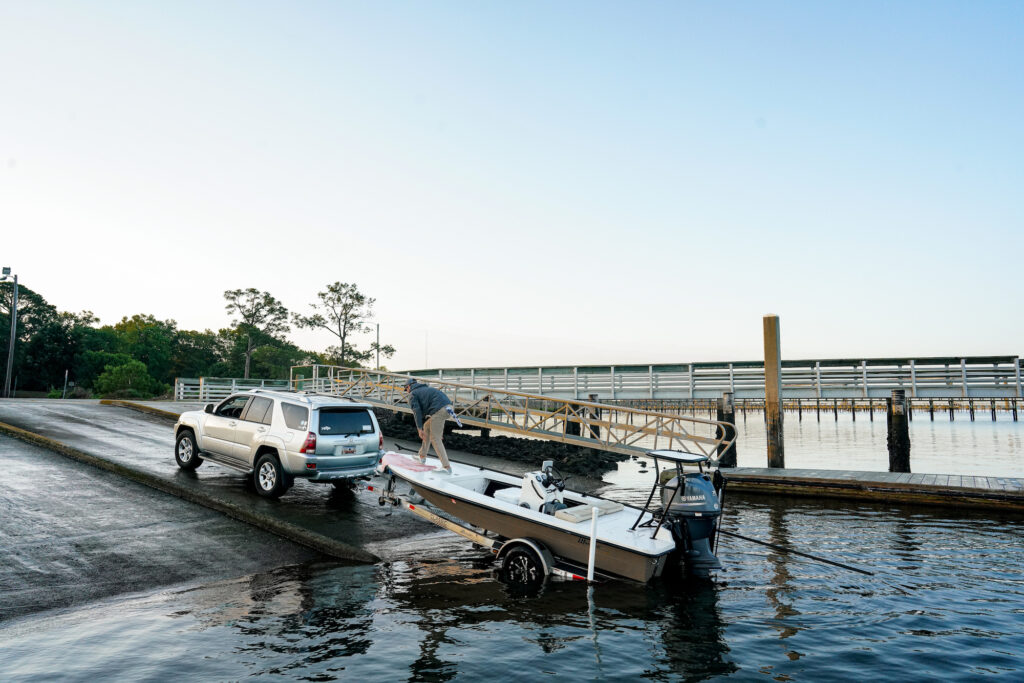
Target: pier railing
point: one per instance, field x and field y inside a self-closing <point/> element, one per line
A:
<point x="978" y="376"/>
<point x="217" y="388"/>
<point x="620" y="429"/>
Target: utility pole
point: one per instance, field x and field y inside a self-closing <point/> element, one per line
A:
<point x="378" y="346"/>
<point x="14" y="329"/>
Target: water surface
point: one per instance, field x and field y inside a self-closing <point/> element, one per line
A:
<point x="946" y="602"/>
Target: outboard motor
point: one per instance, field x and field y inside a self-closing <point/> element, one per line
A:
<point x="692" y="512"/>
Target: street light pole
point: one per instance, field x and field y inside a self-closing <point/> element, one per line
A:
<point x="14" y="329"/>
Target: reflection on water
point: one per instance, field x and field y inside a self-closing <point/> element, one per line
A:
<point x="982" y="447"/>
<point x="945" y="603"/>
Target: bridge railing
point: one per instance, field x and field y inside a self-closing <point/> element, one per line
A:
<point x="619" y="429"/>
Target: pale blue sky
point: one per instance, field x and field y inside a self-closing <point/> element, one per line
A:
<point x="529" y="183"/>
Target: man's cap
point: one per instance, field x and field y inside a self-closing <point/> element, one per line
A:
<point x="409" y="382"/>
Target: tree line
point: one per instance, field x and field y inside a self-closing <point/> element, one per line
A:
<point x="140" y="356"/>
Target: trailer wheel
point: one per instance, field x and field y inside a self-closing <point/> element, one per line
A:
<point x="523" y="567"/>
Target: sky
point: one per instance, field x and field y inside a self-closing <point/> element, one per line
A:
<point x="529" y="183"/>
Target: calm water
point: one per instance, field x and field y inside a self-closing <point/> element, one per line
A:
<point x="947" y="602"/>
<point x="981" y="447"/>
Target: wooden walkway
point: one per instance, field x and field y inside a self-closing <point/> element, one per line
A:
<point x="949" y="490"/>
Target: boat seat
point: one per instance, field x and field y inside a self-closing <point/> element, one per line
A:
<point x="581" y="513"/>
<point x="509" y="495"/>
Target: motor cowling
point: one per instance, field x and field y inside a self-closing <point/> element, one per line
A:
<point x="696" y="495"/>
<point x="692" y="511"/>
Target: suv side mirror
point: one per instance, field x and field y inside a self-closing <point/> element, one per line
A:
<point x="208" y="408"/>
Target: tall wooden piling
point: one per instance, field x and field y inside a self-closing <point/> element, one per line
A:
<point x="898" y="427"/>
<point x="594" y="414"/>
<point x="727" y="413"/>
<point x="773" y="391"/>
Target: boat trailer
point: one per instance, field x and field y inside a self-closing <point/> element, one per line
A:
<point x="523" y="560"/>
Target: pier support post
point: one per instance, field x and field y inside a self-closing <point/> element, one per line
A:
<point x="773" y="391"/>
<point x="727" y="413"/>
<point x="595" y="414"/>
<point x="898" y="431"/>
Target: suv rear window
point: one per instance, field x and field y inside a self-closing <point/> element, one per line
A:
<point x="341" y="421"/>
<point x="295" y="417"/>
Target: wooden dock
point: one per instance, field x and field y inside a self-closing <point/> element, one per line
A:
<point x="948" y="490"/>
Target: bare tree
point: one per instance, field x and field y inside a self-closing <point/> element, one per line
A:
<point x="260" y="317"/>
<point x="343" y="311"/>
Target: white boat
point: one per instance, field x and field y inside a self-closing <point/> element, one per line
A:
<point x="537" y="527"/>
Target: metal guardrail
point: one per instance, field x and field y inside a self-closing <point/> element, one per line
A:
<point x="983" y="377"/>
<point x="619" y="429"/>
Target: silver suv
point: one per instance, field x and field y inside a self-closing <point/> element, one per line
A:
<point x="277" y="436"/>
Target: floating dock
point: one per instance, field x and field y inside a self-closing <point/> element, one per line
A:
<point x="991" y="493"/>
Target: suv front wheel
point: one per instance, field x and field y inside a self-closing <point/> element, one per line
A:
<point x="269" y="477"/>
<point x="186" y="451"/>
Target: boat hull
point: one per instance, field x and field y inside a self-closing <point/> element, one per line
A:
<point x="574" y="547"/>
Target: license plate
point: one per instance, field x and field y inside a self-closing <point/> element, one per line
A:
<point x="348" y="450"/>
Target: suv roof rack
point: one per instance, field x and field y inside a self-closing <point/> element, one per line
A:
<point x="310" y="392"/>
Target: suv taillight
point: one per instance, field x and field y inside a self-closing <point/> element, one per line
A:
<point x="310" y="445"/>
<point x="380" y="442"/>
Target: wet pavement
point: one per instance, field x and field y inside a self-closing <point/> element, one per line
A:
<point x="71" y="534"/>
<point x="145" y="443"/>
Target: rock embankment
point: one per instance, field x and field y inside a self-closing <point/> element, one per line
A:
<point x="569" y="459"/>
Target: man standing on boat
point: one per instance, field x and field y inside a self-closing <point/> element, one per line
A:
<point x="430" y="408"/>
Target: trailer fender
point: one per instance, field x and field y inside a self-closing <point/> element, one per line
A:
<point x="546" y="558"/>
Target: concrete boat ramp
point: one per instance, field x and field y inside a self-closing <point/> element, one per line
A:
<point x="136" y="441"/>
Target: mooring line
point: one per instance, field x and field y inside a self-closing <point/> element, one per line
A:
<point x="796" y="552"/>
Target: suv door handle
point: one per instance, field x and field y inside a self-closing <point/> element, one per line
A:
<point x="262" y="429"/>
<point x="232" y="424"/>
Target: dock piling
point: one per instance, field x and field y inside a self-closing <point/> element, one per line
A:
<point x="595" y="414"/>
<point x="773" y="391"/>
<point x="727" y="413"/>
<point x="898" y="428"/>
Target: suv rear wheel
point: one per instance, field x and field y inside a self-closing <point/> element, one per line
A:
<point x="269" y="477"/>
<point x="186" y="451"/>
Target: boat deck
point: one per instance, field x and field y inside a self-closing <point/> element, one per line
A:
<point x="1001" y="493"/>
